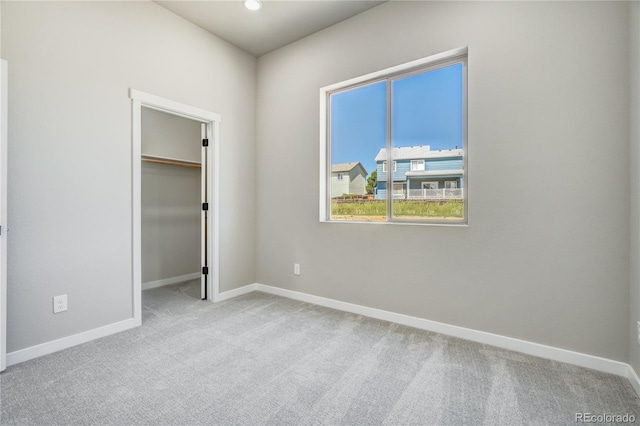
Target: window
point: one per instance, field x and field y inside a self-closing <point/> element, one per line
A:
<point x="399" y="189"/>
<point x="417" y="165"/>
<point x="430" y="185"/>
<point x="340" y="176"/>
<point x="431" y="191"/>
<point x="413" y="115"/>
<point x="384" y="166"/>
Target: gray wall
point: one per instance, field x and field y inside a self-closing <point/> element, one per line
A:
<point x="169" y="135"/>
<point x="634" y="55"/>
<point x="545" y="257"/>
<point x="549" y="96"/>
<point x="171" y="229"/>
<point x="71" y="65"/>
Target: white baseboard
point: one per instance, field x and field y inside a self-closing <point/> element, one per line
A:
<point x="225" y="295"/>
<point x="169" y="281"/>
<point x="523" y="346"/>
<point x="633" y="379"/>
<point x="67" y="342"/>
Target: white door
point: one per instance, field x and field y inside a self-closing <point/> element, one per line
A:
<point x="204" y="249"/>
<point x="3" y="212"/>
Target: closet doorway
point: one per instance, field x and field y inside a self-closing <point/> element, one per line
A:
<point x="175" y="196"/>
<point x="173" y="193"/>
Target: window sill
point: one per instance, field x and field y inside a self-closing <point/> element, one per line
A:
<point x="403" y="223"/>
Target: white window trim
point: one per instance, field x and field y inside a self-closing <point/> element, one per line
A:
<point x="384" y="166"/>
<point x="419" y="165"/>
<point x="455" y="182"/>
<point x="325" y="201"/>
<point x="403" y="187"/>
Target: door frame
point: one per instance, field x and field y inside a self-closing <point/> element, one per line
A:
<point x="4" y="79"/>
<point x="141" y="99"/>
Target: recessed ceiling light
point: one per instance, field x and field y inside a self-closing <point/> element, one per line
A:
<point x="253" y="4"/>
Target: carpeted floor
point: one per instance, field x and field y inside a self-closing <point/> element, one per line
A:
<point x="263" y="359"/>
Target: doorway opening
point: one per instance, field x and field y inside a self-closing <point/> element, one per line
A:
<point x="173" y="193"/>
<point x="172" y="171"/>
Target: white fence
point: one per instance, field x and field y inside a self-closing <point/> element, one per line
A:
<point x="435" y="194"/>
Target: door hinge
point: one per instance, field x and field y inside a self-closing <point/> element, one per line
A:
<point x="205" y="270"/>
<point x="205" y="142"/>
<point x="205" y="206"/>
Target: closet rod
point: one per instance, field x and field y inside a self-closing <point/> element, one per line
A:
<point x="170" y="161"/>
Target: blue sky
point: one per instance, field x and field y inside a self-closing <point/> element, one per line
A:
<point x="427" y="110"/>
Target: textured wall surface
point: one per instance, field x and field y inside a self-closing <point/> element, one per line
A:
<point x="71" y="66"/>
<point x="545" y="257"/>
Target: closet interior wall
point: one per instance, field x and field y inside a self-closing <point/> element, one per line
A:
<point x="171" y="203"/>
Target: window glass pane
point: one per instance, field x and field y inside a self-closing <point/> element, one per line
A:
<point x="427" y="130"/>
<point x="358" y="121"/>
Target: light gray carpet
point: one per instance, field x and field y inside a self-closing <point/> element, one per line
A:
<point x="263" y="359"/>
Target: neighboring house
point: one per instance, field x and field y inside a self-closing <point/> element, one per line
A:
<point x="348" y="178"/>
<point x="420" y="173"/>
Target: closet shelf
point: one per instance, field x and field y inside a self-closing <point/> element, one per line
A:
<point x="170" y="161"/>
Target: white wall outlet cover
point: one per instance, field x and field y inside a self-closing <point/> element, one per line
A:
<point x="60" y="303"/>
<point x="296" y="269"/>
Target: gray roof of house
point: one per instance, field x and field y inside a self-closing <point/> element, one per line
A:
<point x="346" y="167"/>
<point x="418" y="152"/>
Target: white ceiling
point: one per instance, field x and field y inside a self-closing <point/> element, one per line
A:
<point x="277" y="24"/>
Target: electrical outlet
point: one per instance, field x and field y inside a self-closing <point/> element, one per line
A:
<point x="60" y="304"/>
<point x="296" y="269"/>
<point x="639" y="332"/>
